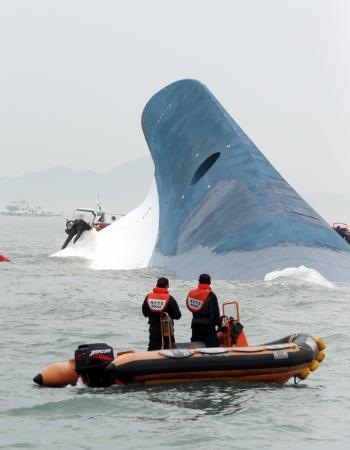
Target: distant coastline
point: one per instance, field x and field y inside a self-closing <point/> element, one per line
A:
<point x="64" y="189"/>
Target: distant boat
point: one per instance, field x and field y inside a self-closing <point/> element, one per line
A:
<point x="22" y="208"/>
<point x="343" y="230"/>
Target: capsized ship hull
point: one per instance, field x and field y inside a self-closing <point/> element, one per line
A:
<point x="223" y="208"/>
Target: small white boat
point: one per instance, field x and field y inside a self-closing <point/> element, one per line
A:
<point x="78" y="225"/>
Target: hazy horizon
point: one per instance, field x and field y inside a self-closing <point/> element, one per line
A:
<point x="77" y="170"/>
<point x="76" y="76"/>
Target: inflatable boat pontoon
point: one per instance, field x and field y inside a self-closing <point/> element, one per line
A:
<point x="293" y="356"/>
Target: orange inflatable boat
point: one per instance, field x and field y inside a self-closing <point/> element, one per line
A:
<point x="293" y="356"/>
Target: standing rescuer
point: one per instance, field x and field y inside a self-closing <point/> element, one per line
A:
<point x="203" y="304"/>
<point x="154" y="306"/>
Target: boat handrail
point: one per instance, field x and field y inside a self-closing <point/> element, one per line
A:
<point x="233" y="302"/>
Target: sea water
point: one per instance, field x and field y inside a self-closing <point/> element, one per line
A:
<point x="51" y="305"/>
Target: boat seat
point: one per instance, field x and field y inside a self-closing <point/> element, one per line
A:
<point x="189" y="345"/>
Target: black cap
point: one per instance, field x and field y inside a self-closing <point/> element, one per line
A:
<point x="163" y="282"/>
<point x="204" y="278"/>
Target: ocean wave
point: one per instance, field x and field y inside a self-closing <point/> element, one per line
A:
<point x="300" y="273"/>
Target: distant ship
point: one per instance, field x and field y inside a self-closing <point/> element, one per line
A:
<point x="22" y="208"/>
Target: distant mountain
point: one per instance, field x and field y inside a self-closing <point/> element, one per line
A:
<point x="63" y="189"/>
<point x="121" y="189"/>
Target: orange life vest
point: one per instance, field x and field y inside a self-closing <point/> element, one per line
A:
<point x="197" y="299"/>
<point x="158" y="300"/>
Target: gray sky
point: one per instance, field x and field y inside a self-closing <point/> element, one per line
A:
<point x="76" y="74"/>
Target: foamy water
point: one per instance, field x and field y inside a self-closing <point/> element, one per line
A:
<point x="300" y="273"/>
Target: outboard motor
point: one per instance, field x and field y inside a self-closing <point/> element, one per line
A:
<point x="91" y="361"/>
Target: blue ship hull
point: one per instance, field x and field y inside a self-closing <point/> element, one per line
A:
<point x="223" y="208"/>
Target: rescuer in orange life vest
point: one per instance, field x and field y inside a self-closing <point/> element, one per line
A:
<point x="154" y="306"/>
<point x="203" y="304"/>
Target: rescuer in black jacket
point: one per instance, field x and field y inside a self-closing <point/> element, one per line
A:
<point x="203" y="304"/>
<point x="154" y="306"/>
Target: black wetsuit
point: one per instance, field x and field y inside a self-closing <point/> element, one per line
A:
<point x="155" y="335"/>
<point x="204" y="322"/>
